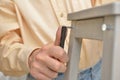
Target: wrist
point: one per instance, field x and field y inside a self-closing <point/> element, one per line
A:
<point x="32" y="55"/>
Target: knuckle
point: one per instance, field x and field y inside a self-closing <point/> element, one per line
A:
<point x="57" y="66"/>
<point x="34" y="65"/>
<point x="39" y="57"/>
<point x="62" y="53"/>
<point x="63" y="56"/>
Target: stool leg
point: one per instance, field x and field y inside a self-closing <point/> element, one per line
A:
<point x="74" y="55"/>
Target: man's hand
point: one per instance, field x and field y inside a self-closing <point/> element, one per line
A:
<point x="45" y="63"/>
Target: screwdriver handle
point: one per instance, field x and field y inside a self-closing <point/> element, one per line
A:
<point x="63" y="36"/>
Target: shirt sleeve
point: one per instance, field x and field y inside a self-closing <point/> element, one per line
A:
<point x="13" y="55"/>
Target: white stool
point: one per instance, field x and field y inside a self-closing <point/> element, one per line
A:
<point x="100" y="23"/>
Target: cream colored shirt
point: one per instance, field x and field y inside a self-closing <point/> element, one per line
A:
<point x="29" y="24"/>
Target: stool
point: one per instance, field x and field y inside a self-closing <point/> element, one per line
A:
<point x="99" y="23"/>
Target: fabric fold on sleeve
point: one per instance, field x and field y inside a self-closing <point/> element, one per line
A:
<point x="14" y="55"/>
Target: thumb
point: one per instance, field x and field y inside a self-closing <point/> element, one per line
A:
<point x="58" y="36"/>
